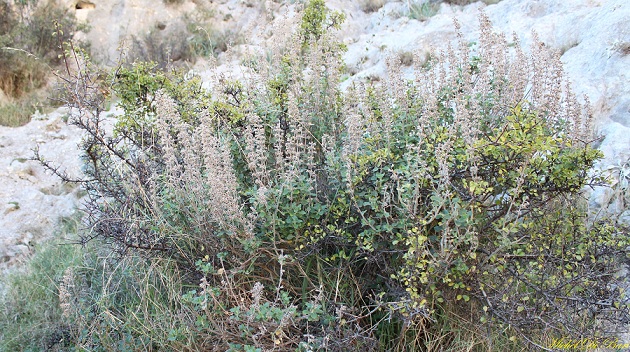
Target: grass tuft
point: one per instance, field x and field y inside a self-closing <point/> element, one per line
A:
<point x="372" y="5"/>
<point x="422" y="10"/>
<point x="30" y="315"/>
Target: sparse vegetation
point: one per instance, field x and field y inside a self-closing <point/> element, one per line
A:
<point x="207" y="42"/>
<point x="174" y="2"/>
<point x="164" y="47"/>
<point x="406" y="58"/>
<point x="422" y="10"/>
<point x="19" y="111"/>
<point x="466" y="2"/>
<point x="618" y="46"/>
<point x="185" y="39"/>
<point x="28" y="49"/>
<point x="372" y="5"/>
<point x="31" y="317"/>
<point x="205" y="38"/>
<point x="568" y="46"/>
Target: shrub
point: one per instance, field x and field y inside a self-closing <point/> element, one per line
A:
<point x="31" y="32"/>
<point x="30" y="37"/>
<point x="313" y="218"/>
<point x="162" y="47"/>
<point x="206" y="42"/>
<point x="422" y="10"/>
<point x="406" y="58"/>
<point x="317" y="20"/>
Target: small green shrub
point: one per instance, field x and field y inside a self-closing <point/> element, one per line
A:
<point x="317" y="20"/>
<point x="422" y="10"/>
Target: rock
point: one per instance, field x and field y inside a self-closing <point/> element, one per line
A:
<point x="53" y="135"/>
<point x="116" y="24"/>
<point x="22" y="170"/>
<point x="32" y="200"/>
<point x="20" y="249"/>
<point x="5" y="141"/>
<point x="11" y="206"/>
<point x="54" y="125"/>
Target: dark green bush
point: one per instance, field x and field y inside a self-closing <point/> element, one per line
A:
<point x="30" y="40"/>
<point x="30" y="37"/>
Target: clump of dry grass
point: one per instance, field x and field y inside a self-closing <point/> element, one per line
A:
<point x="406" y="58"/>
<point x="372" y="5"/>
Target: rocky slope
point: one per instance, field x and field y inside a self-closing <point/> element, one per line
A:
<point x="31" y="200"/>
<point x="592" y="35"/>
